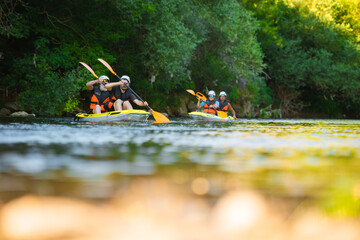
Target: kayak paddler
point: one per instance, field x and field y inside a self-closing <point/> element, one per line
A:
<point x="224" y="104"/>
<point x="101" y="98"/>
<point x="210" y="105"/>
<point x="123" y="95"/>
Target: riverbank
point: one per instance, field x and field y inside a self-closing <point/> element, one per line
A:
<point x="13" y="109"/>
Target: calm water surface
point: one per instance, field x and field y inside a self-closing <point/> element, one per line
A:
<point x="287" y="159"/>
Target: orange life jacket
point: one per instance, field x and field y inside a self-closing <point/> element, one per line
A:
<point x="224" y="106"/>
<point x="102" y="98"/>
<point x="207" y="106"/>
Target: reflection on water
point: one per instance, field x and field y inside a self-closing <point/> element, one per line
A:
<point x="292" y="165"/>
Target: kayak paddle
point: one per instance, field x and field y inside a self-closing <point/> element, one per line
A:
<point x="197" y="95"/>
<point x="201" y="96"/>
<point x="90" y="69"/>
<point x="160" y="118"/>
<point x="221" y="114"/>
<point x="191" y="91"/>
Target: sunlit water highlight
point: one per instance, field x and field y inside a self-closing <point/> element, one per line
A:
<point x="308" y="162"/>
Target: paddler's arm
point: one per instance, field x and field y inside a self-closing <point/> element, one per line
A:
<point x="198" y="103"/>
<point x="109" y="86"/>
<point x="90" y="84"/>
<point x="137" y="101"/>
<point x="216" y="105"/>
<point x="232" y="110"/>
<point x="140" y="103"/>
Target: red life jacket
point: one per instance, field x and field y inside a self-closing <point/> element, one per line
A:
<point x="102" y="98"/>
<point x="207" y="106"/>
<point x="224" y="106"/>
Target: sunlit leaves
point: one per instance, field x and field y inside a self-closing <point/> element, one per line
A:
<point x="311" y="45"/>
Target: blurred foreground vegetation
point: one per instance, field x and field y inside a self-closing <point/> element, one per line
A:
<point x="296" y="56"/>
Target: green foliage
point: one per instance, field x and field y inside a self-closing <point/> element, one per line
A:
<point x="12" y="22"/>
<point x="70" y="105"/>
<point x="234" y="94"/>
<point x="169" y="41"/>
<point x="276" y="113"/>
<point x="311" y="45"/>
<point x="264" y="114"/>
<point x="324" y="104"/>
<point x="230" y="53"/>
<point x="47" y="93"/>
<point x="211" y="72"/>
<point x="261" y="95"/>
<point x="175" y="44"/>
<point x="48" y="79"/>
<point x="167" y="46"/>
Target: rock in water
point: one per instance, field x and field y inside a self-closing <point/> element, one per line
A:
<point x="22" y="114"/>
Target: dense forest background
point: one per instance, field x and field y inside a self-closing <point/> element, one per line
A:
<point x="300" y="57"/>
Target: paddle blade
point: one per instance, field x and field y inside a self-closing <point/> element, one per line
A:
<point x="107" y="65"/>
<point x="200" y="95"/>
<point x="222" y="114"/>
<point x="191" y="92"/>
<point x="89" y="68"/>
<point x="160" y="118"/>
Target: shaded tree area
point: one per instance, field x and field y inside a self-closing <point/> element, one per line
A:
<point x="42" y="43"/>
<point x="312" y="54"/>
<point x="165" y="46"/>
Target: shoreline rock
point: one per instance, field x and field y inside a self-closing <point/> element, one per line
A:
<point x="22" y="114"/>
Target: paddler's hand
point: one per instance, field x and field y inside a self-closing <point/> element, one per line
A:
<point x="146" y="104"/>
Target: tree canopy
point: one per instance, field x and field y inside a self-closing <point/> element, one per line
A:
<point x="312" y="51"/>
<point x="295" y="55"/>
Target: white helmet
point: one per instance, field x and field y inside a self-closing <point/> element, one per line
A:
<point x="222" y="93"/>
<point x="211" y="92"/>
<point x="103" y="77"/>
<point x="125" y="77"/>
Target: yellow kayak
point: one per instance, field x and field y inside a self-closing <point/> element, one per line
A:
<point x="201" y="116"/>
<point x="115" y="116"/>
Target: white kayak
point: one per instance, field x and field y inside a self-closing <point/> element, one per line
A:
<point x="115" y="116"/>
<point x="201" y="116"/>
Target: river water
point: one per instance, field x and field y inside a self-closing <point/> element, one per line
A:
<point x="311" y="162"/>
